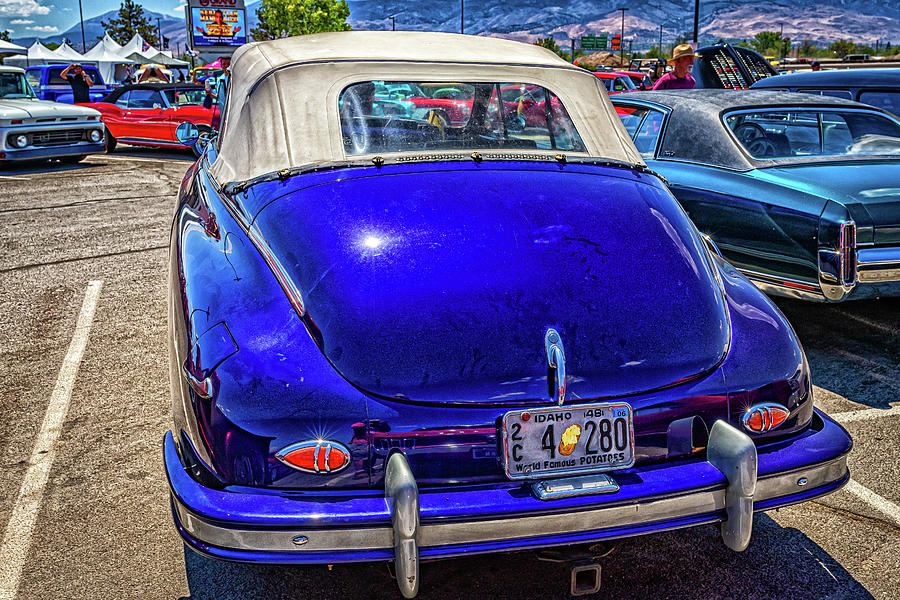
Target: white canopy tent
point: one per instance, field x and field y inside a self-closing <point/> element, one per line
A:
<point x="10" y="48"/>
<point x="112" y="65"/>
<point x="110" y="60"/>
<point x="136" y="44"/>
<point x="38" y="54"/>
<point x="65" y="52"/>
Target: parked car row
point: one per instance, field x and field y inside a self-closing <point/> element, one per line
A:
<point x="452" y="298"/>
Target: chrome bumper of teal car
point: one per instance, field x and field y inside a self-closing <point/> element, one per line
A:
<point x="877" y="265"/>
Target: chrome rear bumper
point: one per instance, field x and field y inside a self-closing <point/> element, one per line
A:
<point x="404" y="524"/>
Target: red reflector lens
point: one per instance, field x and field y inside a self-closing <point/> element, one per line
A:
<point x="16" y="122"/>
<point x="765" y="417"/>
<point x="316" y="456"/>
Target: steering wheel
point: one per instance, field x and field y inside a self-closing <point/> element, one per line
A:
<point x="753" y="137"/>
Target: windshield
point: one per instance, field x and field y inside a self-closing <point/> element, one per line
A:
<point x="53" y="77"/>
<point x="185" y="97"/>
<point x="14" y="85"/>
<point x="404" y="116"/>
<point x="802" y="133"/>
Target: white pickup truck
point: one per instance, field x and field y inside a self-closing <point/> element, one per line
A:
<point x="33" y="129"/>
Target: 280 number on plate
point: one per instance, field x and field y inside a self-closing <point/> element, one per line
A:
<point x="564" y="441"/>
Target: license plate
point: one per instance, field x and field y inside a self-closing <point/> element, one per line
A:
<point x="567" y="440"/>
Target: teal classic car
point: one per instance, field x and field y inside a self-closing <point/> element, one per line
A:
<point x="801" y="193"/>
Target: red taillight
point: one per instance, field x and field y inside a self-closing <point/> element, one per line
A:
<point x="848" y="253"/>
<point x="316" y="456"/>
<point x="765" y="417"/>
<point x="16" y="122"/>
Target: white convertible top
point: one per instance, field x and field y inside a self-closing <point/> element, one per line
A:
<point x="282" y="106"/>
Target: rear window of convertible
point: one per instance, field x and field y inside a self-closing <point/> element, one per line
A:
<point x="413" y="116"/>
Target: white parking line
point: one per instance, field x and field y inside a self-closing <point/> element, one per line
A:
<point x="17" y="539"/>
<point x="882" y="505"/>
<point x="14" y="177"/>
<point x="865" y="415"/>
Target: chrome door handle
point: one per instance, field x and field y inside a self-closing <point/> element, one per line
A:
<point x="556" y="359"/>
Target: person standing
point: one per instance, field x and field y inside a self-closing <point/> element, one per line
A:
<point x="80" y="81"/>
<point x="680" y="77"/>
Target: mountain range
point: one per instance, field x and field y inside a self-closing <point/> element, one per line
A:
<point x="821" y="21"/>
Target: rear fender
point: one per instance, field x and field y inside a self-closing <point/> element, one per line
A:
<point x="273" y="387"/>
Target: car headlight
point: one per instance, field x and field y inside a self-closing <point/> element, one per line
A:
<point x="96" y="135"/>
<point x="20" y="141"/>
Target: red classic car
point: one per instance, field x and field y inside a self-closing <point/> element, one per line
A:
<point x="616" y="82"/>
<point x="146" y="114"/>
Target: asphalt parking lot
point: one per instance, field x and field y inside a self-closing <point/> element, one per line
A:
<point x="83" y="496"/>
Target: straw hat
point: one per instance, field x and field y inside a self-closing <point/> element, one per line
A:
<point x="681" y="50"/>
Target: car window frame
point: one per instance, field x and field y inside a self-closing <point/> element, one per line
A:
<point x="876" y="90"/>
<point x="723" y="116"/>
<point x="648" y="106"/>
<point x="162" y="105"/>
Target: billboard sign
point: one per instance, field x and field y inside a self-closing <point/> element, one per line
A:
<point x="216" y="25"/>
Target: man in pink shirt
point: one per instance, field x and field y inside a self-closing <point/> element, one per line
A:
<point x="680" y="77"/>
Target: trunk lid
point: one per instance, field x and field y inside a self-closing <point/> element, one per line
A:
<point x="438" y="286"/>
<point x="869" y="189"/>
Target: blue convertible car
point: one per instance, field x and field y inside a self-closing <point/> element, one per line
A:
<point x="398" y="338"/>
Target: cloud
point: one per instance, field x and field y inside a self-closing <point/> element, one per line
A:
<point x="21" y="22"/>
<point x="22" y="8"/>
<point x="44" y="29"/>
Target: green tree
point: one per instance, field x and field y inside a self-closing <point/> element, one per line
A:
<point x="842" y="47"/>
<point x="4" y="35"/>
<point x="281" y="18"/>
<point x="51" y="45"/>
<point x="807" y="48"/>
<point x="131" y="21"/>
<point x="655" y="53"/>
<point x="548" y="43"/>
<point x="766" y="42"/>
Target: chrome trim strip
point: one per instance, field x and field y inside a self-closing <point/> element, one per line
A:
<point x="877" y="265"/>
<point x="774" y="285"/>
<point x="441" y="534"/>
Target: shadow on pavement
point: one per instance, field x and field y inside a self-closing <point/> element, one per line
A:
<point x="144" y="152"/>
<point x="32" y="167"/>
<point x="693" y="563"/>
<point x="853" y="347"/>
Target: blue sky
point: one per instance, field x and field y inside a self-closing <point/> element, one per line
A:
<point x="39" y="18"/>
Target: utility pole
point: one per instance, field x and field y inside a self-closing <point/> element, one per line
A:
<point x="781" y="43"/>
<point x="158" y="35"/>
<point x="573" y="50"/>
<point x="660" y="42"/>
<point x="462" y="19"/>
<point x="622" y="38"/>
<point x="696" y="19"/>
<point x="393" y="25"/>
<point x="81" y="16"/>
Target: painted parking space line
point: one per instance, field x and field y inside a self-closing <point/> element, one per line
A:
<point x="14" y="177"/>
<point x="865" y="414"/>
<point x="890" y="510"/>
<point x="17" y="538"/>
